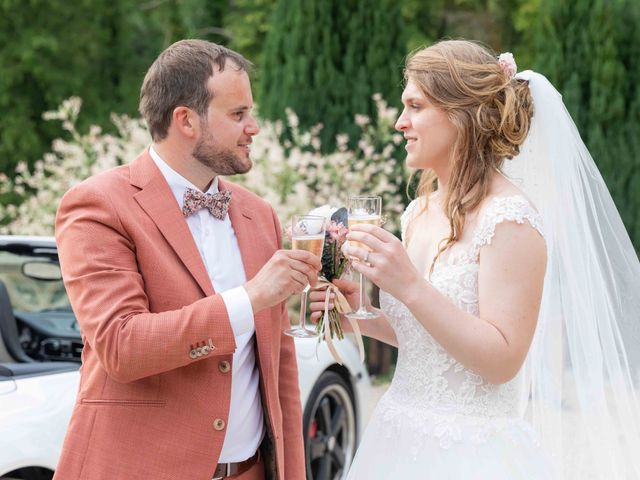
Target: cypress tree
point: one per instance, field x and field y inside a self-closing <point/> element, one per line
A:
<point x="98" y="50"/>
<point x="589" y="50"/>
<point x="326" y="58"/>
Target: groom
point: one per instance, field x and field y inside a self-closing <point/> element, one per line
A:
<point x="178" y="281"/>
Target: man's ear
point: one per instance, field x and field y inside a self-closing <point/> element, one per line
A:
<point x="186" y="121"/>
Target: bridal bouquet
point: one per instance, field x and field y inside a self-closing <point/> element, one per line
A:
<point x="334" y="265"/>
<point x="334" y="262"/>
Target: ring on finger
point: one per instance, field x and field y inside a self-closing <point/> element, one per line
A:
<point x="366" y="257"/>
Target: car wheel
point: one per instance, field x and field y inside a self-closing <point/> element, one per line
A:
<point x="329" y="428"/>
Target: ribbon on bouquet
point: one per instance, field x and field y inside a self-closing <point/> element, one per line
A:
<point x="342" y="305"/>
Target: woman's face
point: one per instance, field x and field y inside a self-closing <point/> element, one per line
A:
<point x="429" y="133"/>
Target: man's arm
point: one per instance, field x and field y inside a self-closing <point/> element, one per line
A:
<point x="289" y="392"/>
<point x="106" y="290"/>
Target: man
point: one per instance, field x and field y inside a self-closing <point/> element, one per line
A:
<point x="186" y="373"/>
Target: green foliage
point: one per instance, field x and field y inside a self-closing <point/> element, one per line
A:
<point x="488" y="21"/>
<point x="325" y="59"/>
<point x="322" y="58"/>
<point x="589" y="50"/>
<point x="96" y="49"/>
<point x="248" y="22"/>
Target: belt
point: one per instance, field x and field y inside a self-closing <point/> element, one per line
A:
<point x="224" y="470"/>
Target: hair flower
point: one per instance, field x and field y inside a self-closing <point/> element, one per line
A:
<point x="508" y="64"/>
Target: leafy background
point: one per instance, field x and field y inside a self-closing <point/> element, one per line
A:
<point x="323" y="59"/>
<point x="327" y="82"/>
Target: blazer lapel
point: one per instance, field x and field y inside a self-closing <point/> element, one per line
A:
<point x="249" y="237"/>
<point x="246" y="232"/>
<point x="158" y="201"/>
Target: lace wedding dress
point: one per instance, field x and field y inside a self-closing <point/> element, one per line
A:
<point x="439" y="420"/>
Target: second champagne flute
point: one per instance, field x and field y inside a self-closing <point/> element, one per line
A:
<point x="307" y="233"/>
<point x="363" y="209"/>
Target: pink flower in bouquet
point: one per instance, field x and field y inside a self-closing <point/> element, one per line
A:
<point x="337" y="232"/>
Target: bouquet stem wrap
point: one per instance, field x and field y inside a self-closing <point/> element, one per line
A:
<point x="326" y="328"/>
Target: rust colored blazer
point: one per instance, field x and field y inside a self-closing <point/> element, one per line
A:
<point x="147" y="406"/>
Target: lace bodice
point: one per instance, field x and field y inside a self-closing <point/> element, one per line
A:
<point x="426" y="376"/>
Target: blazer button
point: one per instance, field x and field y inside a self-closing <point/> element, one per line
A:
<point x="193" y="354"/>
<point x="218" y="424"/>
<point x="224" y="366"/>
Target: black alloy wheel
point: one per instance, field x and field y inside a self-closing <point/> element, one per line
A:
<point x="329" y="428"/>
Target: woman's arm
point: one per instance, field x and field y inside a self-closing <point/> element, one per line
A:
<point x="493" y="344"/>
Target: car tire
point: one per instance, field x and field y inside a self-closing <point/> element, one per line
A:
<point x="329" y="428"/>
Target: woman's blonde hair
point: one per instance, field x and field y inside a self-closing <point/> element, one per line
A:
<point x="491" y="112"/>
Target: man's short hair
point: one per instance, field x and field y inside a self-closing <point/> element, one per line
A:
<point x="178" y="77"/>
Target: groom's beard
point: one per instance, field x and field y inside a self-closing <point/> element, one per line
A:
<point x="222" y="161"/>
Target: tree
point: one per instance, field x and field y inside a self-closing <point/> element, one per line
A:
<point x="96" y="49"/>
<point x="326" y="58"/>
<point x="248" y="22"/>
<point x="589" y="49"/>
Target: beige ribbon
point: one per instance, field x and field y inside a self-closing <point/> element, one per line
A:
<point x="342" y="305"/>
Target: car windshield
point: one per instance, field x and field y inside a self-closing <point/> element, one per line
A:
<point x="32" y="293"/>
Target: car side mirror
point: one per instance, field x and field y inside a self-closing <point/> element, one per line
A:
<point x="45" y="271"/>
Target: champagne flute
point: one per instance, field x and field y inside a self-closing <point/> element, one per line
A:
<point x="363" y="209"/>
<point x="307" y="233"/>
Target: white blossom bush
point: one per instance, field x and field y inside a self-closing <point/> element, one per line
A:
<point x="292" y="175"/>
<point x="69" y="162"/>
<point x="295" y="177"/>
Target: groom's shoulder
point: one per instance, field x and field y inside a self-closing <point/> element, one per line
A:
<point x="120" y="179"/>
<point x="114" y="177"/>
<point x="107" y="183"/>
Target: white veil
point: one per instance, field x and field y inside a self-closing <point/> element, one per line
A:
<point x="584" y="363"/>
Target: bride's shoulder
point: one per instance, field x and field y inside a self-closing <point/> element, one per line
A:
<point x="506" y="197"/>
<point x="415" y="207"/>
<point x="509" y="210"/>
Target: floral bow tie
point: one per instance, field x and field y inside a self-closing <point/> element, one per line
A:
<point x="216" y="203"/>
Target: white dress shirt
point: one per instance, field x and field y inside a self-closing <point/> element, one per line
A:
<point x="216" y="240"/>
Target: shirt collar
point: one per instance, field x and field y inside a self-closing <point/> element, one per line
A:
<point x="177" y="182"/>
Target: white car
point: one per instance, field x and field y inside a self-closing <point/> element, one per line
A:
<point x="40" y="348"/>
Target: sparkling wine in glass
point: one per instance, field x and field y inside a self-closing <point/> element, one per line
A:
<point x="363" y="210"/>
<point x="307" y="233"/>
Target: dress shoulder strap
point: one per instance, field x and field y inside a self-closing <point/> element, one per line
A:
<point x="504" y="209"/>
<point x="412" y="210"/>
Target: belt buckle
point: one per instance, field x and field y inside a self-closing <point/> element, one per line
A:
<point x="227" y="473"/>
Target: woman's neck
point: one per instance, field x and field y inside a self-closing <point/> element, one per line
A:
<point x="443" y="182"/>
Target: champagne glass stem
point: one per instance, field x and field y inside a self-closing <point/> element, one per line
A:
<point x="363" y="293"/>
<point x="303" y="307"/>
<point x="362" y="313"/>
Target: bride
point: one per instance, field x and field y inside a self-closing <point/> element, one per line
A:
<point x="514" y="296"/>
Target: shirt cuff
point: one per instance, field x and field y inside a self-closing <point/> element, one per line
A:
<point x="239" y="309"/>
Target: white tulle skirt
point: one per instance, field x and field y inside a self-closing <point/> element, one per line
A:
<point x="403" y="442"/>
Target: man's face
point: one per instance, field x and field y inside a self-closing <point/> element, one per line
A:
<point x="228" y="126"/>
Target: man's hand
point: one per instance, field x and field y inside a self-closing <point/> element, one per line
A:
<point x="286" y="273"/>
<point x="351" y="291"/>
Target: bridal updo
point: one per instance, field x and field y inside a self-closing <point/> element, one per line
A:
<point x="491" y="111"/>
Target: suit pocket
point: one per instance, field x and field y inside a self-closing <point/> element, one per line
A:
<point x="123" y="403"/>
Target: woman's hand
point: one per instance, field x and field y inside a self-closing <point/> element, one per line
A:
<point x="387" y="264"/>
<point x="349" y="289"/>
